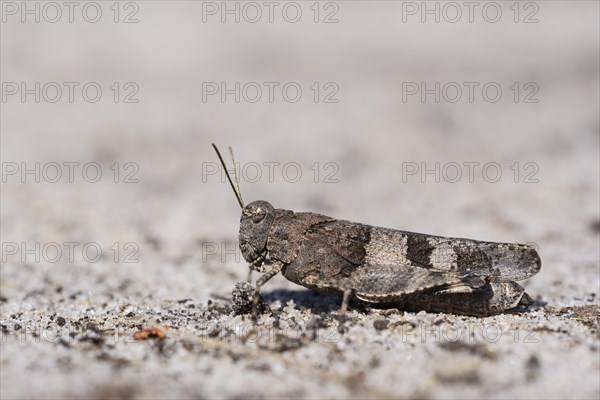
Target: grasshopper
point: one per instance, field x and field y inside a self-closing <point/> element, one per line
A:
<point x="382" y="267"/>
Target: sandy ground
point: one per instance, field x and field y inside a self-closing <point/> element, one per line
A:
<point x="166" y="227"/>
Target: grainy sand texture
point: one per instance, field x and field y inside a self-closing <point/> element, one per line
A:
<point x="119" y="231"/>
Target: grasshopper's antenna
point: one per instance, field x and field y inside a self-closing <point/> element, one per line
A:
<point x="235" y="177"/>
<point x="236" y="187"/>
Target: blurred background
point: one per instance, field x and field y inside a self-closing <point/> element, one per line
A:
<point x="477" y="121"/>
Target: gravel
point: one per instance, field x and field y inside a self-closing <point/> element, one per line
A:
<point x="153" y="316"/>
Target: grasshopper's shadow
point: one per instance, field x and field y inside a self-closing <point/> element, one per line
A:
<point x="318" y="302"/>
<point x="327" y="303"/>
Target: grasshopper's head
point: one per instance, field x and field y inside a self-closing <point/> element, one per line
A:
<point x="256" y="221"/>
<point x="255" y="224"/>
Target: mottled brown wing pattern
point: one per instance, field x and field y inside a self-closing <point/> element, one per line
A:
<point x="363" y="244"/>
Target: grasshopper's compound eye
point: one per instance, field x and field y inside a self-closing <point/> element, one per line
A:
<point x="258" y="214"/>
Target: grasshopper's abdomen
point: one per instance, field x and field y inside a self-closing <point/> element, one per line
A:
<point x="491" y="299"/>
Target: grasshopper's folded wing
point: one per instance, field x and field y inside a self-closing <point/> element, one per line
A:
<point x="388" y="251"/>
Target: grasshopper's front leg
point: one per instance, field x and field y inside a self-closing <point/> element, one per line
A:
<point x="256" y="265"/>
<point x="275" y="269"/>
